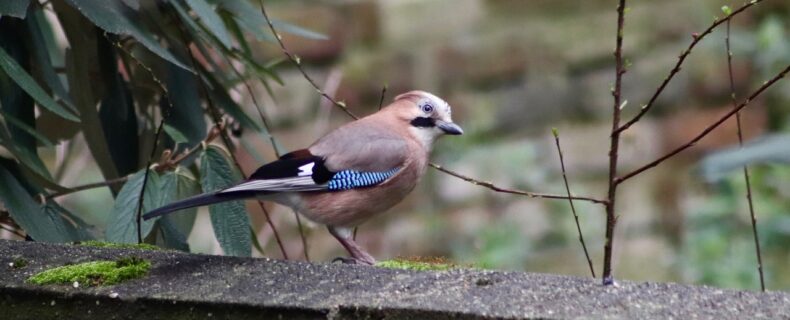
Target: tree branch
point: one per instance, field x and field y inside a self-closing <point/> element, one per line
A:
<point x="496" y="188"/>
<point x="707" y="130"/>
<point x="13" y="231"/>
<point x="611" y="218"/>
<point x="745" y="167"/>
<point x="681" y="59"/>
<point x="570" y="201"/>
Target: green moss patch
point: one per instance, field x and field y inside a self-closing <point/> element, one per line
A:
<point x="18" y="263"/>
<point x="94" y="273"/>
<point x="420" y="264"/>
<point x="112" y="245"/>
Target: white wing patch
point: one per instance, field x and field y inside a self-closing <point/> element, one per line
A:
<point x="304" y="183"/>
<point x="306" y="170"/>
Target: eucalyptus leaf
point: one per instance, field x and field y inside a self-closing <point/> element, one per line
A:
<point x="134" y="4"/>
<point x="297" y="30"/>
<point x="253" y="21"/>
<point x="196" y="32"/>
<point x="229" y="219"/>
<point x="17" y="104"/>
<point x="235" y="29"/>
<point x="82" y="69"/>
<point x="249" y="18"/>
<point x="43" y="48"/>
<point x="116" y="112"/>
<point x="26" y="82"/>
<point x="175" y="134"/>
<point x="27" y="128"/>
<point x="40" y="224"/>
<point x="122" y="225"/>
<point x="187" y="114"/>
<point x="112" y="17"/>
<point x="14" y="8"/>
<point x="211" y="20"/>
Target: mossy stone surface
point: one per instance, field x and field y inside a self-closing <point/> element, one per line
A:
<point x="417" y="264"/>
<point x="94" y="273"/>
<point x="193" y="286"/>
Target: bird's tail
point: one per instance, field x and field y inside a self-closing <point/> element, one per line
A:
<point x="198" y="200"/>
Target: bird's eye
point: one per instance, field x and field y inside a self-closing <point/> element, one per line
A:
<point x="427" y="108"/>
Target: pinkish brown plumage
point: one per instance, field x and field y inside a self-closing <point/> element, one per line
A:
<point x="353" y="173"/>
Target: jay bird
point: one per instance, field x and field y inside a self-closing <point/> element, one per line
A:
<point x="354" y="172"/>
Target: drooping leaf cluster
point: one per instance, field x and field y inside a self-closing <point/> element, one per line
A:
<point x="122" y="67"/>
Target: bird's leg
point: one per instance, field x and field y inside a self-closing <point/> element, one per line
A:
<point x="358" y="255"/>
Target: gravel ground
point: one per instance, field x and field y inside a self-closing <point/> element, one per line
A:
<point x="189" y="286"/>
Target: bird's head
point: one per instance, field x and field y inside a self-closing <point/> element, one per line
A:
<point x="428" y="116"/>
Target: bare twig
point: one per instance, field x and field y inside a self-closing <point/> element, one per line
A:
<point x="13" y="231"/>
<point x="611" y="218"/>
<point x="570" y="200"/>
<point x="305" y="247"/>
<point x="89" y="186"/>
<point x="296" y="61"/>
<point x="383" y="93"/>
<point x="681" y="59"/>
<point x="710" y="128"/>
<point x="496" y="188"/>
<point x="745" y="167"/>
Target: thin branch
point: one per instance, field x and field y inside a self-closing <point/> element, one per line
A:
<point x="296" y="61"/>
<point x="302" y="236"/>
<point x="89" y="186"/>
<point x="167" y="162"/>
<point x="745" y="167"/>
<point x="383" y="94"/>
<point x="15" y="232"/>
<point x="570" y="201"/>
<point x="611" y="218"/>
<point x="681" y="59"/>
<point x="496" y="188"/>
<point x="710" y="128"/>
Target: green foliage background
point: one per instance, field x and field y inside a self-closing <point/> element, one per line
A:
<point x="128" y="65"/>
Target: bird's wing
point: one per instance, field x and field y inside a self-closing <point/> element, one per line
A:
<point x="362" y="146"/>
<point x="303" y="171"/>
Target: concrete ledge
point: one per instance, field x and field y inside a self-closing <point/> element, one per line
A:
<point x="188" y="286"/>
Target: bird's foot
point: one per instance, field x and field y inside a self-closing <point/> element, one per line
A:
<point x="352" y="260"/>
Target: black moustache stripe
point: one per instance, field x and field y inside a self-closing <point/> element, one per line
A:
<point x="423" y="122"/>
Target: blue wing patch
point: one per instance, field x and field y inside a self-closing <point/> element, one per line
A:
<point x="352" y="179"/>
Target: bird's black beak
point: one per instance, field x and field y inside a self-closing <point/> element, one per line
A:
<point x="449" y="127"/>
